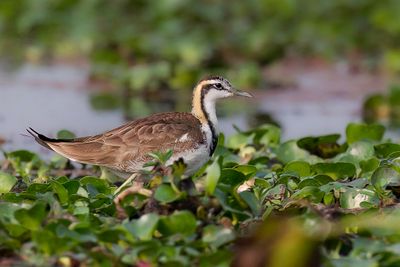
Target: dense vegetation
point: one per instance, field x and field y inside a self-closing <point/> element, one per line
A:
<point x="315" y="201"/>
<point x="171" y="43"/>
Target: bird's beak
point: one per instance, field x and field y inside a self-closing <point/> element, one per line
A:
<point x="242" y="93"/>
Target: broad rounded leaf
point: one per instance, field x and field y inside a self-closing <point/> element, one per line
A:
<point x="212" y="177"/>
<point x="165" y="193"/>
<point x="336" y="170"/>
<point x="384" y="150"/>
<point x="7" y="181"/>
<point x="32" y="218"/>
<point x="301" y="168"/>
<point x="353" y="198"/>
<point x="65" y="134"/>
<point x="217" y="235"/>
<point x="180" y="222"/>
<point x="361" y="131"/>
<point x="144" y="227"/>
<point x="289" y="151"/>
<point x="384" y="176"/>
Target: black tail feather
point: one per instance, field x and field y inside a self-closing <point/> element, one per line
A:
<point x="41" y="139"/>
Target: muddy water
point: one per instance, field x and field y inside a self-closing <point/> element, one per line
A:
<point x="316" y="99"/>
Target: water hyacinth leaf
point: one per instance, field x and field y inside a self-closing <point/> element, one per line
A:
<point x="23" y="161"/>
<point x="217" y="235"/>
<point x="32" y="218"/>
<point x="301" y="168"/>
<point x="166" y="194"/>
<point x="7" y="182"/>
<point x="271" y="135"/>
<point x="239" y="140"/>
<point x="101" y="186"/>
<point x="7" y="211"/>
<point x="213" y="174"/>
<point x="384" y="176"/>
<point x="336" y="170"/>
<point x="361" y="131"/>
<point x="357" y="151"/>
<point x="308" y="182"/>
<point x="353" y="198"/>
<point x="105" y="101"/>
<point x="289" y="151"/>
<point x="65" y="134"/>
<point x="251" y="201"/>
<point x="180" y="222"/>
<point x="144" y="227"/>
<point x="384" y="150"/>
<point x="60" y="191"/>
<point x="311" y="193"/>
<point x="369" y="165"/>
<point x="110" y="235"/>
<point x="72" y="186"/>
<point x="46" y="241"/>
<point x="247" y="170"/>
<point x="232" y="177"/>
<point x="325" y="146"/>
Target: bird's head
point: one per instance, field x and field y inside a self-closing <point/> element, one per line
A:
<point x="216" y="87"/>
<point x="205" y="94"/>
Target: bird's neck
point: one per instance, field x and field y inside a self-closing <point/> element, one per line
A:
<point x="203" y="108"/>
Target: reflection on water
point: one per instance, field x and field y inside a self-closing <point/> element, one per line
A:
<point x="50" y="98"/>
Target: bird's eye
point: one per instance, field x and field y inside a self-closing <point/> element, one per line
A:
<point x="218" y="86"/>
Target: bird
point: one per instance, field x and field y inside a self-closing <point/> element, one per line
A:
<point x="192" y="136"/>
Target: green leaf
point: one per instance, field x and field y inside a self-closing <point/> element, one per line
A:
<point x="369" y="165"/>
<point x="300" y="168"/>
<point x="61" y="192"/>
<point x="270" y="135"/>
<point x="213" y="174"/>
<point x="251" y="201"/>
<point x="353" y="198"/>
<point x="247" y="170"/>
<point x="45" y="241"/>
<point x="384" y="150"/>
<point x="32" y="218"/>
<point x="65" y="134"/>
<point x="325" y="146"/>
<point x="144" y="227"/>
<point x="95" y="185"/>
<point x="217" y="235"/>
<point x="384" y="176"/>
<point x="337" y="170"/>
<point x="361" y="131"/>
<point x="356" y="152"/>
<point x="311" y="193"/>
<point x="232" y="177"/>
<point x="239" y="140"/>
<point x="165" y="193"/>
<point x="289" y="151"/>
<point x="7" y="181"/>
<point x="180" y="222"/>
<point x="105" y="101"/>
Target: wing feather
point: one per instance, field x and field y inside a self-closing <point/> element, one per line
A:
<point x="121" y="147"/>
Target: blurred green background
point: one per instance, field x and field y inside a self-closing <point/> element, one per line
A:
<point x="148" y="44"/>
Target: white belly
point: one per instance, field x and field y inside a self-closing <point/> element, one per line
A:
<point x="194" y="159"/>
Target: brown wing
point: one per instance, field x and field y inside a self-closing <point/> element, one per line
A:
<point x="122" y="147"/>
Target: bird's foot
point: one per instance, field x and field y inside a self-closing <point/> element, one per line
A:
<point x="131" y="186"/>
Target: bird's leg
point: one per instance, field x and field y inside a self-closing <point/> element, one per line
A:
<point x="124" y="184"/>
<point x="129" y="187"/>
